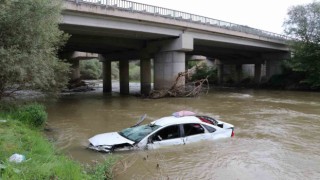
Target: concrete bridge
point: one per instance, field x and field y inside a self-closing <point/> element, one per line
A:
<point x="121" y="30"/>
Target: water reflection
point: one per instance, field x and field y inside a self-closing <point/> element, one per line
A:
<point x="276" y="134"/>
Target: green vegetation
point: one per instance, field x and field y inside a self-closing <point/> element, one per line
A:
<point x="29" y="43"/>
<point x="115" y="70"/>
<point x="204" y="71"/>
<point x="32" y="114"/>
<point x="91" y="69"/>
<point x="304" y="25"/>
<point x="42" y="160"/>
<point x="134" y="71"/>
<point x="103" y="170"/>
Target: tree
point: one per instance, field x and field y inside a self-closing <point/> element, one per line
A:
<point x="303" y="24"/>
<point x="29" y="44"/>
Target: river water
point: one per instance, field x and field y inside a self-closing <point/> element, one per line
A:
<point x="276" y="134"/>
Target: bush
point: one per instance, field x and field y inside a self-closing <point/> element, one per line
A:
<point x="90" y="69"/>
<point x="115" y="70"/>
<point x="8" y="106"/>
<point x="103" y="170"/>
<point x="34" y="115"/>
<point x="134" y="71"/>
<point x="205" y="71"/>
<point x="191" y="64"/>
<point x="289" y="80"/>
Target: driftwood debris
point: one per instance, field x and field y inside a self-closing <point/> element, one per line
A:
<point x="180" y="88"/>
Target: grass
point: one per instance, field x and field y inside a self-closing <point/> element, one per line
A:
<point x="42" y="160"/>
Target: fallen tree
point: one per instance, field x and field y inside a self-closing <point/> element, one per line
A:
<point x="182" y="89"/>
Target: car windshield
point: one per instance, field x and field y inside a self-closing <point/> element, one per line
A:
<point x="137" y="133"/>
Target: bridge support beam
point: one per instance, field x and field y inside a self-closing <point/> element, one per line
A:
<point x="170" y="60"/>
<point x="75" y="70"/>
<point x="167" y="65"/>
<point x="273" y="67"/>
<point x="124" y="76"/>
<point x="220" y="73"/>
<point x="257" y="73"/>
<point x="273" y="63"/>
<point x="106" y="74"/>
<point x="145" y="76"/>
<point x="238" y="73"/>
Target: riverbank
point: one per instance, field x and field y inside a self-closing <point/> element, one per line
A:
<point x="284" y="82"/>
<point x="42" y="160"/>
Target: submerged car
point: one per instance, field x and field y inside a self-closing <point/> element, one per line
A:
<point x="178" y="129"/>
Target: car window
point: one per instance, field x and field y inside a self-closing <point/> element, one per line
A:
<point x="137" y="133"/>
<point x="209" y="128"/>
<point x="192" y="129"/>
<point x="169" y="132"/>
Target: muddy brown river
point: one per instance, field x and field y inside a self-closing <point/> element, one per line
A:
<point x="277" y="134"/>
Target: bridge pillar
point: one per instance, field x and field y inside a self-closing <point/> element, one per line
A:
<point x="170" y="60"/>
<point x="238" y="73"/>
<point x="273" y="67"/>
<point x="167" y="66"/>
<point x="273" y="63"/>
<point x="75" y="69"/>
<point x="220" y="73"/>
<point x="124" y="76"/>
<point x="257" y="73"/>
<point x="145" y="75"/>
<point x="106" y="74"/>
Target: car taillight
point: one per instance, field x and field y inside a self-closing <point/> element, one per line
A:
<point x="232" y="134"/>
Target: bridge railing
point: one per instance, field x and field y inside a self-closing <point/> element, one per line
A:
<point x="181" y="16"/>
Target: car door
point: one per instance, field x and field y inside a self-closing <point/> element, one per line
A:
<point x="167" y="136"/>
<point x="194" y="132"/>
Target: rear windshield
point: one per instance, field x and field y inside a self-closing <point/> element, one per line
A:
<point x="137" y="133"/>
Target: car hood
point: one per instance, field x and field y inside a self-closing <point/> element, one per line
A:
<point x="110" y="139"/>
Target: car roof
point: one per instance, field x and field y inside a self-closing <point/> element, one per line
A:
<point x="171" y="120"/>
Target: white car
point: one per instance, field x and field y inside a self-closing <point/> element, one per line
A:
<point x="167" y="131"/>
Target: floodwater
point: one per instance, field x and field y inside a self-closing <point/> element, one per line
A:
<point x="276" y="134"/>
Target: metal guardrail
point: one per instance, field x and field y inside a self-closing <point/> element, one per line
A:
<point x="181" y="16"/>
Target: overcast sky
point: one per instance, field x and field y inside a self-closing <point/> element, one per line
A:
<point x="267" y="15"/>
